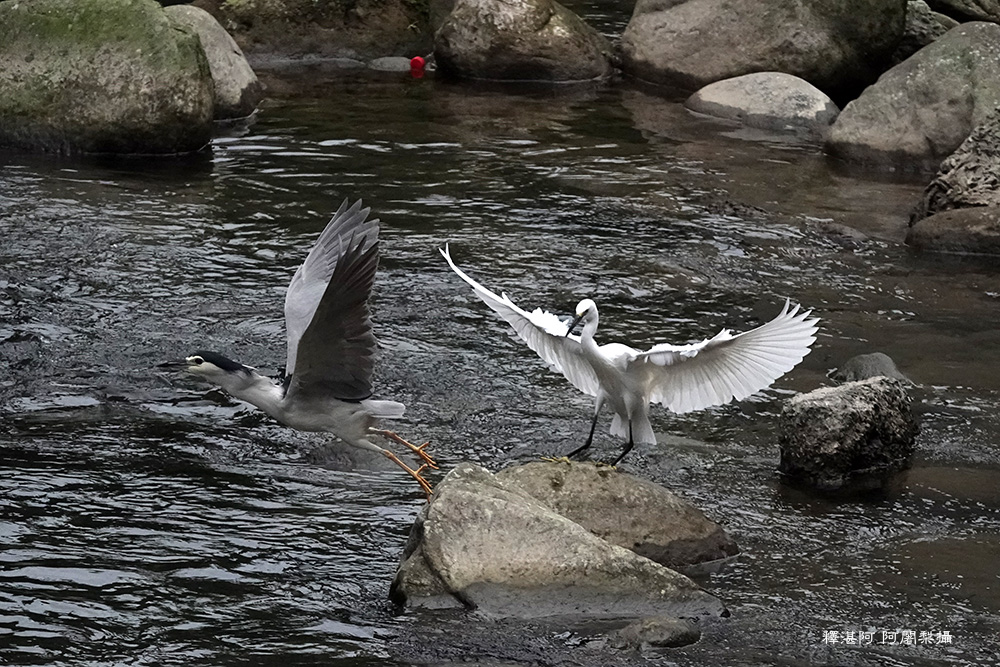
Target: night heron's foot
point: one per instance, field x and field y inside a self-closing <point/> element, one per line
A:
<point x="415" y="474"/>
<point x="419" y="450"/>
<point x="557" y="459"/>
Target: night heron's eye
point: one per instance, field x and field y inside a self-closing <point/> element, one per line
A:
<point x="197" y="361"/>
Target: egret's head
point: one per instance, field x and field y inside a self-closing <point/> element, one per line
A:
<point x="209" y="365"/>
<point x="586" y="312"/>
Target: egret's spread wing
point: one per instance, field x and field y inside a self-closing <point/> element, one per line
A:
<point x="331" y="346"/>
<point x="542" y="331"/>
<point x="719" y="369"/>
<point x="310" y="280"/>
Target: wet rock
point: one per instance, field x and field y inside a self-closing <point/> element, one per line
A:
<point x="969" y="10"/>
<point x="923" y="26"/>
<point x="237" y="90"/>
<point x="968" y="177"/>
<point x="768" y="100"/>
<point x="865" y="366"/>
<point x="921" y="110"/>
<point x="101" y="76"/>
<point x="525" y="40"/>
<point x="856" y="434"/>
<point x="493" y="547"/>
<point x="689" y="44"/>
<point x="625" y="510"/>
<point x="657" y="631"/>
<point x="964" y="231"/>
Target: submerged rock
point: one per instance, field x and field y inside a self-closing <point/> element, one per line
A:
<point x="768" y="100"/>
<point x="855" y="434"/>
<point x="519" y="40"/>
<point x="486" y="544"/>
<point x="656" y="631"/>
<point x="864" y="366"/>
<point x="625" y="510"/>
<point x="963" y="231"/>
<point x="921" y="110"/>
<point x="689" y="44"/>
<point x="237" y="90"/>
<point x="101" y="76"/>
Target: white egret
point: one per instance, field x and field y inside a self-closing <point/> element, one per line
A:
<point x="331" y="347"/>
<point x="681" y="377"/>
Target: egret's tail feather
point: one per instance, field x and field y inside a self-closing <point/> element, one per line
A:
<point x="642" y="430"/>
<point x="384" y="409"/>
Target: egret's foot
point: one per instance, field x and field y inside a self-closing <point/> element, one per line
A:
<point x="415" y="474"/>
<point x="418" y="450"/>
<point x="557" y="459"/>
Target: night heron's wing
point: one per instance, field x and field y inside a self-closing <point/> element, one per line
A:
<point x="542" y="331"/>
<point x="719" y="369"/>
<point x="331" y="346"/>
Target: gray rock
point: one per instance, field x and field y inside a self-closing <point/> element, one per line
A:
<point x="968" y="177"/>
<point x="963" y="231"/>
<point x="865" y="366"/>
<point x="657" y="631"/>
<point x="101" y="76"/>
<point x="491" y="546"/>
<point x="519" y="40"/>
<point x="856" y="434"/>
<point x="237" y="90"/>
<point x="622" y="509"/>
<point x="768" y="100"/>
<point x="923" y="26"/>
<point x="923" y="109"/>
<point x="692" y="43"/>
<point x="969" y="10"/>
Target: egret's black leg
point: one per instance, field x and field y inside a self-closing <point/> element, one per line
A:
<point x="628" y="447"/>
<point x="590" y="438"/>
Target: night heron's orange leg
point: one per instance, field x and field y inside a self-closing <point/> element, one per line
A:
<point x="415" y="474"/>
<point x="418" y="450"/>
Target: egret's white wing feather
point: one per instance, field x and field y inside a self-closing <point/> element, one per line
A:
<point x="310" y="280"/>
<point x="725" y="367"/>
<point x="544" y="333"/>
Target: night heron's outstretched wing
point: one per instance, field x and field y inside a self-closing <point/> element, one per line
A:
<point x="331" y="346"/>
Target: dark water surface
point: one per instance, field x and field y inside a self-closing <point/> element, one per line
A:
<point x="148" y="519"/>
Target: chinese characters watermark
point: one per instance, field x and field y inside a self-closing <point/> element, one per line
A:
<point x="887" y="637"/>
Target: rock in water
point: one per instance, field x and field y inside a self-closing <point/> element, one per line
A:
<point x="486" y="544"/>
<point x="857" y="434"/>
<point x="864" y="366"/>
<point x="237" y="90"/>
<point x="101" y="76"/>
<point x="622" y="509"/>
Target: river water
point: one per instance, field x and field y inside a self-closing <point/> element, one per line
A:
<point x="149" y="519"/>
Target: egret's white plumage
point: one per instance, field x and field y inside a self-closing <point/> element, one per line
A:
<point x="331" y="346"/>
<point x="681" y="377"/>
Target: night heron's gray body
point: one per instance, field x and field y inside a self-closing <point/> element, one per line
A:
<point x="331" y="346"/>
<point x="681" y="377"/>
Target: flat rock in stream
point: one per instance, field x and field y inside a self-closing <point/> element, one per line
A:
<point x="484" y="543"/>
<point x="625" y="510"/>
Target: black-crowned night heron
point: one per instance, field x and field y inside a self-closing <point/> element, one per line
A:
<point x="331" y="347"/>
<point x="681" y="377"/>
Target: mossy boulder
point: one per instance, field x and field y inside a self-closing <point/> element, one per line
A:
<point x="101" y="76"/>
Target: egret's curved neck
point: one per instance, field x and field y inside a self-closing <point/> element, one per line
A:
<point x="589" y="330"/>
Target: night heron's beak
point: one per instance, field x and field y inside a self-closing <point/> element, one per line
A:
<point x="175" y="365"/>
<point x="573" y="324"/>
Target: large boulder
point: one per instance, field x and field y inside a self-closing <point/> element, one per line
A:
<point x="921" y="110"/>
<point x="857" y="434"/>
<point x="968" y="177"/>
<point x="237" y="90"/>
<point x="963" y="231"/>
<point x="101" y="76"/>
<point x="923" y="26"/>
<point x="837" y="45"/>
<point x="625" y="510"/>
<point x="522" y="40"/>
<point x="484" y="543"/>
<point x="968" y="10"/>
<point x="769" y="101"/>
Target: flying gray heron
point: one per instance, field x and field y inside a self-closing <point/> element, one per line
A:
<point x="683" y="378"/>
<point x="331" y="348"/>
